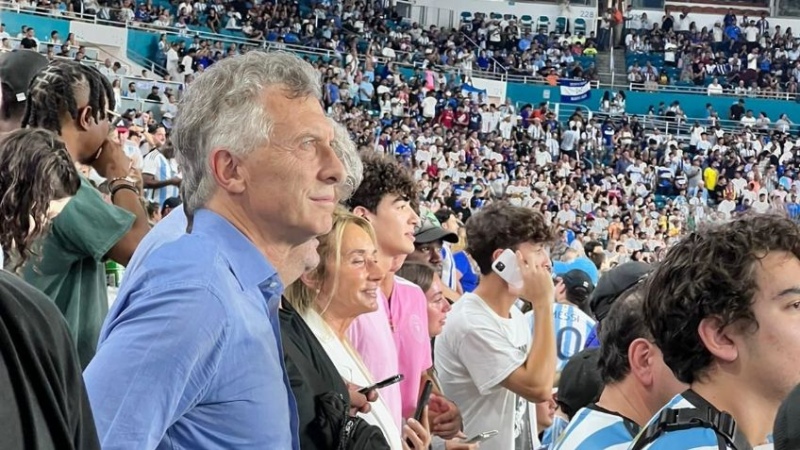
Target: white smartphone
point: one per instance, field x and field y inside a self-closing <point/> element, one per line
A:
<point x="486" y="435"/>
<point x="507" y="268"/>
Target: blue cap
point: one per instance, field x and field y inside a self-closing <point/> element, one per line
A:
<point x="583" y="264"/>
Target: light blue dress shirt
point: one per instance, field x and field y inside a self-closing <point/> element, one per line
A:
<point x="190" y="355"/>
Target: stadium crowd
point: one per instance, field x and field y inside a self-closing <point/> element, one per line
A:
<point x="365" y="237"/>
<point x="740" y="55"/>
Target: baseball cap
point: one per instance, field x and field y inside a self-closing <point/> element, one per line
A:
<point x="613" y="283"/>
<point x="18" y="68"/>
<point x="429" y="232"/>
<point x="580" y="383"/>
<point x="786" y="432"/>
<point x="578" y="282"/>
<point x="581" y="263"/>
<point x="171" y="203"/>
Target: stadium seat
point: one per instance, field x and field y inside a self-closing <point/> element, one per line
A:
<point x="495" y="16"/>
<point x="543" y="24"/>
<point x="561" y="25"/>
<point x="579" y="26"/>
<point x="466" y="18"/>
<point x="526" y="21"/>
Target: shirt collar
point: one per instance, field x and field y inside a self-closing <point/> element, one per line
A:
<point x="248" y="265"/>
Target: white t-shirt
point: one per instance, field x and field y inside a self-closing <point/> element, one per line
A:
<point x="476" y="351"/>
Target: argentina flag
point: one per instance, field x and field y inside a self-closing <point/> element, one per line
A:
<point x="574" y="91"/>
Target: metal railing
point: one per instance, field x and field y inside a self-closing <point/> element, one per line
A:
<point x="676" y="89"/>
<point x="403" y="58"/>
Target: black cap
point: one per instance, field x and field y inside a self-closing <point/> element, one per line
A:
<point x="580" y="383"/>
<point x="18" y="68"/>
<point x="578" y="282"/>
<point x="430" y="232"/>
<point x="613" y="283"/>
<point x="171" y="203"/>
<point x="786" y="432"/>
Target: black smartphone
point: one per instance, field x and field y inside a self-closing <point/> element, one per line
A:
<point x="423" y="400"/>
<point x="421" y="404"/>
<point x="382" y="384"/>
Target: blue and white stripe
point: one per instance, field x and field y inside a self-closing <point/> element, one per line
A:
<point x="591" y="429"/>
<point x="572" y="327"/>
<point x="698" y="438"/>
<point x="162" y="169"/>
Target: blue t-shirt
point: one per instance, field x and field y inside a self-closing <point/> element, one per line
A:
<point x="469" y="274"/>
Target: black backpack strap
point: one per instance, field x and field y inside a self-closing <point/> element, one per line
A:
<point x="685" y="418"/>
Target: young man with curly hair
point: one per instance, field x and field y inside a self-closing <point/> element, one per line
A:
<point x="724" y="308"/>
<point x="487" y="359"/>
<point x="394" y="339"/>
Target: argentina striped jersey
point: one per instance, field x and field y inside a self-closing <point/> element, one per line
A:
<point x="594" y="428"/>
<point x="572" y="327"/>
<point x="697" y="438"/>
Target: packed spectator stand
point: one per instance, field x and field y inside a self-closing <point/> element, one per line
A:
<point x="632" y="185"/>
<point x="381" y="70"/>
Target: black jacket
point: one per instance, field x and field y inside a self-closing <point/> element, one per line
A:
<point x="43" y="402"/>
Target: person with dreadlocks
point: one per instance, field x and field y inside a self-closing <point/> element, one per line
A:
<point x="44" y="402"/>
<point x="74" y="101"/>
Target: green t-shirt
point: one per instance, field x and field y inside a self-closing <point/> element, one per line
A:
<point x="69" y="268"/>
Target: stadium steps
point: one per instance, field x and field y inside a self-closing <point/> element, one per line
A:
<point x="602" y="62"/>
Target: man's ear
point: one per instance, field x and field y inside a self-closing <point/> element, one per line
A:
<point x="641" y="359"/>
<point x="722" y="342"/>
<point x="310" y="279"/>
<point x="361" y="211"/>
<point x="85" y="118"/>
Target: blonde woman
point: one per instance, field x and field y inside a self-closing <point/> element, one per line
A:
<point x="344" y="286"/>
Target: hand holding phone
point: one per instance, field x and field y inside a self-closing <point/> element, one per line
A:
<point x="423" y="400"/>
<point x="478" y="438"/>
<point x="382" y="384"/>
<point x="507" y="268"/>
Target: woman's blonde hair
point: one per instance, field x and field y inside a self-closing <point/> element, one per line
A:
<point x="301" y="295"/>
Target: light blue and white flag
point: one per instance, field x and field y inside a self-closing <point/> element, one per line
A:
<point x="574" y="91"/>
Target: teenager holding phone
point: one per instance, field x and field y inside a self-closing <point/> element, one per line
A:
<point x="487" y="359"/>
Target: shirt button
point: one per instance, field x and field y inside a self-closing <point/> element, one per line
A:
<point x="273" y="285"/>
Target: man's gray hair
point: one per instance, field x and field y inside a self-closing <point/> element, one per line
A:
<point x="346" y="151"/>
<point x="224" y="108"/>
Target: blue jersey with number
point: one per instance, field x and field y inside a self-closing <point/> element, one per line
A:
<point x="572" y="327"/>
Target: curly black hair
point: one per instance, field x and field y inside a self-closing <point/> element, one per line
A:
<point x="711" y="273"/>
<point x="624" y="324"/>
<point x="36" y="169"/>
<point x="382" y="176"/>
<point x="52" y="94"/>
<point x="501" y="225"/>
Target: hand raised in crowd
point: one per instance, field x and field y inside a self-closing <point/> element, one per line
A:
<point x="537" y="282"/>
<point x="416" y="436"/>
<point x="458" y="443"/>
<point x="111" y="161"/>
<point x="445" y="418"/>
<point x="360" y="403"/>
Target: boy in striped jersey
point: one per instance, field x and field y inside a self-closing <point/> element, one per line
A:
<point x="724" y="308"/>
<point x="637" y="382"/>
